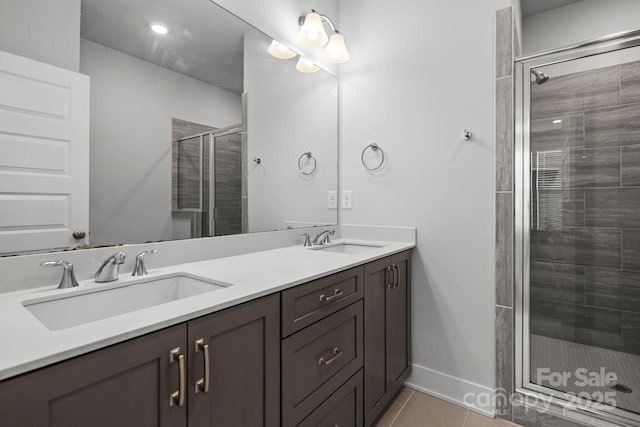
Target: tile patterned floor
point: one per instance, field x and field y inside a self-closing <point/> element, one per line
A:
<point x="565" y="356"/>
<point x="414" y="409"/>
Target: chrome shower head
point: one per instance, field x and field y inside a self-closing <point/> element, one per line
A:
<point x="541" y="77"/>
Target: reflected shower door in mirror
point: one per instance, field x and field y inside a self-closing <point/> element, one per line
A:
<point x="208" y="181"/>
<point x="584" y="222"/>
<point x="183" y="96"/>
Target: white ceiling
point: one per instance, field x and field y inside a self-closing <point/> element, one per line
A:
<point x="532" y="7"/>
<point x="204" y="41"/>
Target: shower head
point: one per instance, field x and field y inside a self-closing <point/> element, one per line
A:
<point x="541" y="77"/>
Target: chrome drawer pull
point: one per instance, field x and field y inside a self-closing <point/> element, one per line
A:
<point x="391" y="277"/>
<point x="336" y="355"/>
<point x="396" y="276"/>
<point x="337" y="293"/>
<point x="177" y="397"/>
<point x="202" y="385"/>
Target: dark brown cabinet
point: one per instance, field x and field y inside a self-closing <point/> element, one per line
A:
<point x="152" y="380"/>
<point x="338" y="345"/>
<point x="343" y="408"/>
<point x="318" y="360"/>
<point x="239" y="349"/>
<point x="128" y="384"/>
<point x="387" y="331"/>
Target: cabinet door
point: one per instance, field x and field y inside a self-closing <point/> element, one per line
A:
<point x="244" y="366"/>
<point x="128" y="384"/>
<point x="376" y="386"/>
<point x="399" y="323"/>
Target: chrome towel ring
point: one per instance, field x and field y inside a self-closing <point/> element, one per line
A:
<point x="375" y="148"/>
<point x="310" y="158"/>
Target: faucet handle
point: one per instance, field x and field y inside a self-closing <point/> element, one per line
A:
<point x="68" y="279"/>
<point x="307" y="239"/>
<point x="119" y="257"/>
<point x="331" y="233"/>
<point x="140" y="269"/>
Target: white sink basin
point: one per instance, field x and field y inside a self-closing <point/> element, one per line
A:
<point x="82" y="306"/>
<point x="346" y="248"/>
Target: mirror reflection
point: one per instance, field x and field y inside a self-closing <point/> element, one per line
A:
<point x="195" y="130"/>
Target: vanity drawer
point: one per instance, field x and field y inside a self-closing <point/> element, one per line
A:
<point x="344" y="408"/>
<point x="308" y="303"/>
<point x="318" y="360"/>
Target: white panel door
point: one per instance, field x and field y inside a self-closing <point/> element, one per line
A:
<point x="44" y="155"/>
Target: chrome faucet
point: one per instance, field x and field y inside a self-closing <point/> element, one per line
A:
<point x="108" y="271"/>
<point x="307" y="239"/>
<point x="140" y="269"/>
<point x="323" y="237"/>
<point x="68" y="279"/>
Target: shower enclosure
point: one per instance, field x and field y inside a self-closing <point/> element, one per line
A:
<point x="209" y="174"/>
<point x="578" y="228"/>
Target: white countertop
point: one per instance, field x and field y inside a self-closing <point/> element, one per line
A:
<point x="29" y="344"/>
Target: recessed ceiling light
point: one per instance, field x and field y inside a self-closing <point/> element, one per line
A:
<point x="555" y="122"/>
<point x="159" y="28"/>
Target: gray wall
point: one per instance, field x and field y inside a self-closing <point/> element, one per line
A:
<point x="132" y="104"/>
<point x="410" y="88"/>
<point x="47" y="31"/>
<point x="305" y="119"/>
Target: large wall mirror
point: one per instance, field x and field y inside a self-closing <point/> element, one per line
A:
<point x="196" y="130"/>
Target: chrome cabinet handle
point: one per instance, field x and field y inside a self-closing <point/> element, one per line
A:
<point x="177" y="397"/>
<point x="337" y="293"/>
<point x="396" y="276"/>
<point x="391" y="277"/>
<point x="202" y="385"/>
<point x="337" y="353"/>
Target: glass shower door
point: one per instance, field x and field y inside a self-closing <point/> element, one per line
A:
<point x="582" y="272"/>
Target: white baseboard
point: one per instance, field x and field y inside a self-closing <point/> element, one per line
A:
<point x="472" y="396"/>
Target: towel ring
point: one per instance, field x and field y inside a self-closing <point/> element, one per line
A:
<point x="374" y="147"/>
<point x="309" y="156"/>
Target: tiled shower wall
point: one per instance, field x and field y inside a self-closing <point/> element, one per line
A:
<point x="228" y="184"/>
<point x="505" y="34"/>
<point x="585" y="239"/>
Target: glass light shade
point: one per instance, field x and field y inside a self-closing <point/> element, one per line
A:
<point x="306" y="66"/>
<point x="159" y="28"/>
<point x="312" y="33"/>
<point x="280" y="51"/>
<point x="336" y="51"/>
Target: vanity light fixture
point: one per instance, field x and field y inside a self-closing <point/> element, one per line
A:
<point x="280" y="51"/>
<point x="306" y="66"/>
<point x="312" y="34"/>
<point x="159" y="28"/>
<point x="336" y="51"/>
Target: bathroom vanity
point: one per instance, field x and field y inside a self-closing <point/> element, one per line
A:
<point x="307" y="349"/>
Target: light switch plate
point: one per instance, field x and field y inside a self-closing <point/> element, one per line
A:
<point x="332" y="200"/>
<point x="347" y="199"/>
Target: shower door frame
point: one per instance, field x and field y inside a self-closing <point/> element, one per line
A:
<point x="212" y="135"/>
<point x="522" y="206"/>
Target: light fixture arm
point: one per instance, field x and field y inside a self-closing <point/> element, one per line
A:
<point x="325" y="20"/>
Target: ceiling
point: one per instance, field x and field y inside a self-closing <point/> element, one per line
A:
<point x="204" y="41"/>
<point x="532" y="7"/>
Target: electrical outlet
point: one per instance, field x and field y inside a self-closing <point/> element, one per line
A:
<point x="347" y="199"/>
<point x="332" y="200"/>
